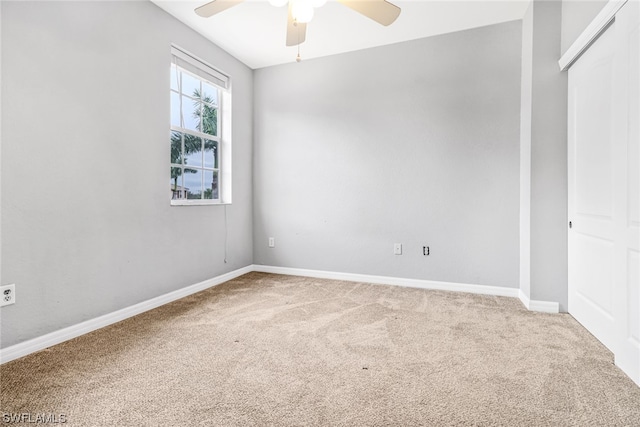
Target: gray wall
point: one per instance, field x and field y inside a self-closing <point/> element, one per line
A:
<point x="546" y="172"/>
<point x="86" y="224"/>
<point x="1" y="282"/>
<point x="526" y="95"/>
<point x="415" y="143"/>
<point x="576" y="16"/>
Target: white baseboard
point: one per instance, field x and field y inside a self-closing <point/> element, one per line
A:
<point x="397" y="281"/>
<point x="57" y="337"/>
<point x="541" y="306"/>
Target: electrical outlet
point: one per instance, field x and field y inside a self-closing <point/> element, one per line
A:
<point x="272" y="242"/>
<point x="7" y="295"/>
<point x="426" y="251"/>
<point x="397" y="248"/>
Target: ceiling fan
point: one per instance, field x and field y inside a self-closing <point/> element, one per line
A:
<point x="301" y="12"/>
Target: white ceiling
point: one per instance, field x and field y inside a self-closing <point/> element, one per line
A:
<point x="254" y="31"/>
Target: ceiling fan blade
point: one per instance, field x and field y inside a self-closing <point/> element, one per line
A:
<point x="381" y="11"/>
<point x="296" y="31"/>
<point x="215" y="6"/>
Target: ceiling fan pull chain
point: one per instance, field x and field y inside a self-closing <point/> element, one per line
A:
<point x="298" y="58"/>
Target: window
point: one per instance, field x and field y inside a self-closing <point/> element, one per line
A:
<point x="200" y="126"/>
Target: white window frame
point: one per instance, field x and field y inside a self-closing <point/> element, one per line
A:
<point x="187" y="63"/>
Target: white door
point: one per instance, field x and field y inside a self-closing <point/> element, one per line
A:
<point x="603" y="189"/>
<point x="627" y="125"/>
<point x="591" y="211"/>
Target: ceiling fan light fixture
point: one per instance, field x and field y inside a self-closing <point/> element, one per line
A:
<point x="302" y="10"/>
<point x="278" y="3"/>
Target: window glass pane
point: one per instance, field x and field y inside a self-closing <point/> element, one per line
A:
<point x="191" y="114"/>
<point x="192" y="151"/>
<point x="176" y="147"/>
<point x="193" y="183"/>
<point x="210" y="154"/>
<point x="209" y="93"/>
<point x="176" y="184"/>
<point x="175" y="109"/>
<point x="214" y="185"/>
<point x="211" y="185"/>
<point x="190" y="85"/>
<point x="208" y="184"/>
<point x="192" y="144"/>
<point x="174" y="77"/>
<point x="210" y="120"/>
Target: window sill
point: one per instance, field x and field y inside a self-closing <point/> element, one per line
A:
<point x="198" y="202"/>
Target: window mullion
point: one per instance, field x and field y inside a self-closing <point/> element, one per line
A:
<point x="195" y="133"/>
<point x="202" y="187"/>
<point x="219" y="147"/>
<point x="202" y="129"/>
<point x="182" y="161"/>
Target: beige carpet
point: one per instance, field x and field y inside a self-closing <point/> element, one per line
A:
<point x="278" y="350"/>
